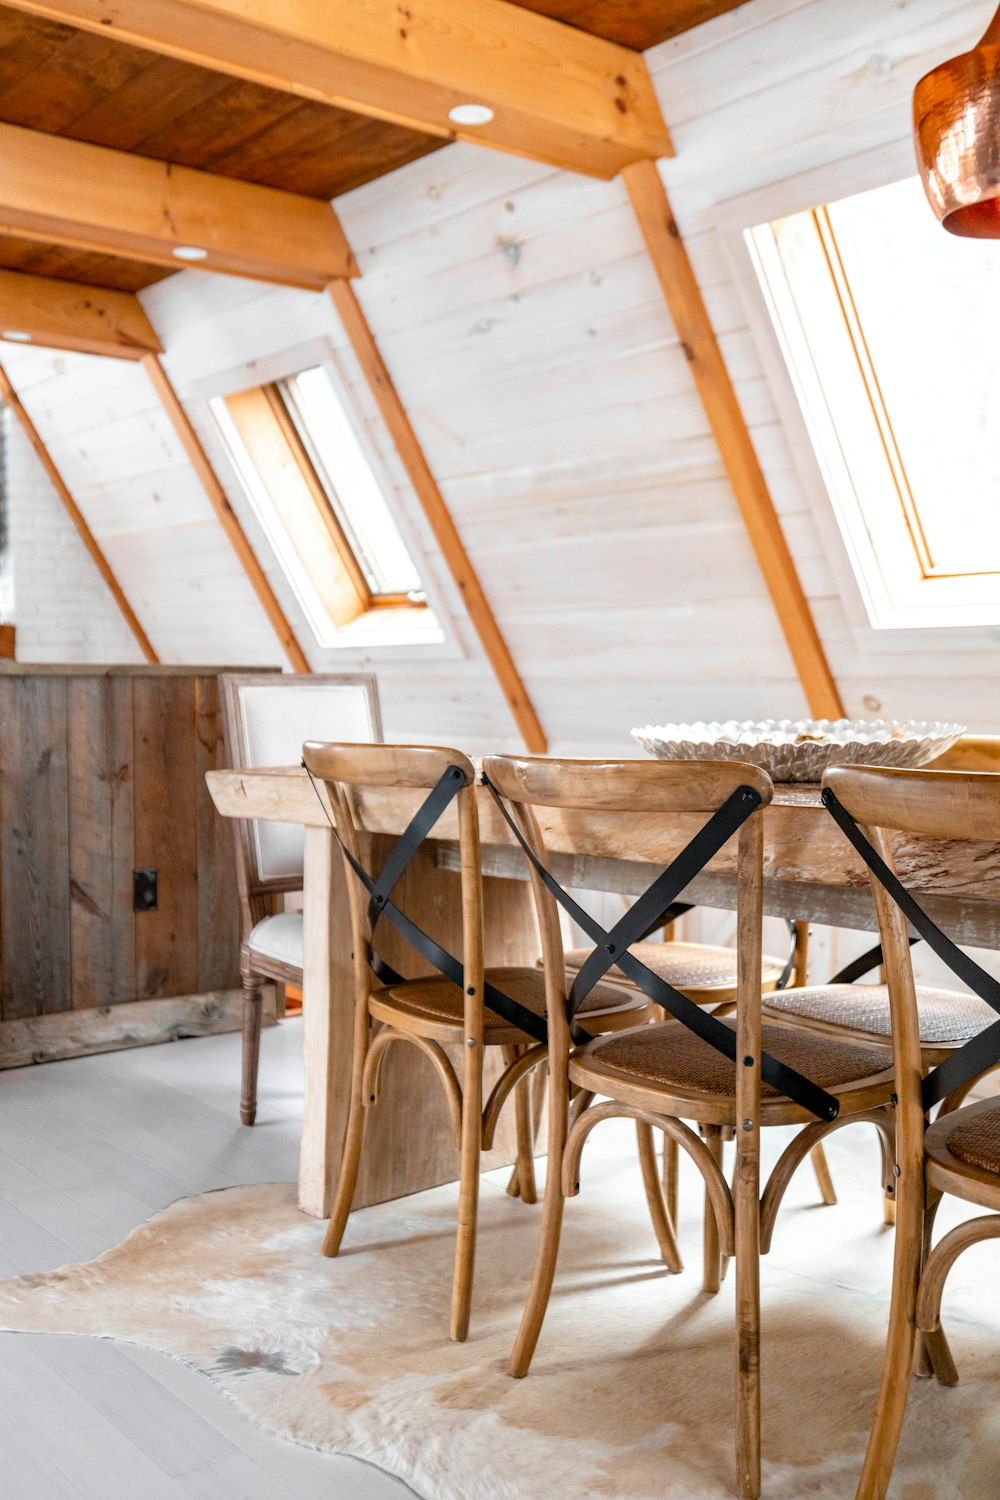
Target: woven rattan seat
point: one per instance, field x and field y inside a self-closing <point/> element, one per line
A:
<point x="439" y="1000"/>
<point x="945" y="1015"/>
<point x="976" y="1139"/>
<point x="671" y="1055"/>
<point x="686" y="966"/>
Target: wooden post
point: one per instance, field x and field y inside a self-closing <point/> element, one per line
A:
<point x="438" y="515"/>
<point x="708" y="369"/>
<point x="198" y="458"/>
<point x="83" y="531"/>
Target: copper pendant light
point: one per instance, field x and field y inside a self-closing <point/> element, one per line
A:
<point x="956" y="122"/>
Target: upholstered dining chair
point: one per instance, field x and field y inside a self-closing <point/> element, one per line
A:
<point x="266" y="719"/>
<point x="462" y="1005"/>
<point x="735" y="1073"/>
<point x="960" y="1152"/>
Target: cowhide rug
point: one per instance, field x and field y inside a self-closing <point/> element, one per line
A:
<point x="630" y="1395"/>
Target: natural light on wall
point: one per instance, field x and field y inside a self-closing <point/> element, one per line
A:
<point x="323" y="505"/>
<point x="888" y="329"/>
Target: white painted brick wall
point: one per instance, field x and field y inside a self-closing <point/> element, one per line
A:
<point x="55" y="595"/>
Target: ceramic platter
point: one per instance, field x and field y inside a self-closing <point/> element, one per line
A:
<point x="801" y="749"/>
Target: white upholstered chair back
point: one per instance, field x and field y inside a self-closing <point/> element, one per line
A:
<point x="267" y="720"/>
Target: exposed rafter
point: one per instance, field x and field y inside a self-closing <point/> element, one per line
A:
<point x="65" y="315"/>
<point x="208" y="479"/>
<point x="557" y="94"/>
<point x="10" y="397"/>
<point x="92" y="198"/>
<point x="394" y="415"/>
<point x="708" y="369"/>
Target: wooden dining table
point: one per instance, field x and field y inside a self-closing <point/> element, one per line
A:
<point x="811" y="874"/>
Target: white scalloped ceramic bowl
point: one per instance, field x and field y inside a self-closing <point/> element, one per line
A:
<point x="801" y="749"/>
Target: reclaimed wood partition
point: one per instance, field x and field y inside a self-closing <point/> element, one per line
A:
<point x="102" y="774"/>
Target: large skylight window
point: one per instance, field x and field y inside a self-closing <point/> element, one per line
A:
<point x="323" y="505"/>
<point x="885" y="322"/>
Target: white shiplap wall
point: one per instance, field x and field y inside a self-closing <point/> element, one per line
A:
<point x="57" y="598"/>
<point x="524" y="328"/>
<point x="775" y="107"/>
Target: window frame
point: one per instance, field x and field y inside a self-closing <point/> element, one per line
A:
<point x="890" y="561"/>
<point x="392" y="628"/>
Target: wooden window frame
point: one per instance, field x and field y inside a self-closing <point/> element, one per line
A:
<point x="822" y="339"/>
<point x="286" y="471"/>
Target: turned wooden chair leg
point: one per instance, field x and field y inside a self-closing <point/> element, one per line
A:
<point x="824" y="1180"/>
<point x="746" y="1203"/>
<point x="253" y="1003"/>
<point x="551" y="1229"/>
<point x="349" y="1162"/>
<point x="890" y="1407"/>
<point x="521" y="1183"/>
<point x="713" y="1267"/>
<point x="663" y="1226"/>
<point x="468" y="1193"/>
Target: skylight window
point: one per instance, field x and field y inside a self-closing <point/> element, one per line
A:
<point x="885" y="325"/>
<point x="324" y="508"/>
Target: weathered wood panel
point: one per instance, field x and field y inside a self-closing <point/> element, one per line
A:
<point x="34" y="850"/>
<point x="218" y="897"/>
<point x="143" y="1023"/>
<point x="166" y="839"/>
<point x="100" y="788"/>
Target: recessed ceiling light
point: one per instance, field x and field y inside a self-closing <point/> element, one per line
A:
<point x="470" y="114"/>
<point x="189" y="252"/>
<point x="16" y="335"/>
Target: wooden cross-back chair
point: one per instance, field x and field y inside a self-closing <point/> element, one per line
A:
<point x="462" y="1005"/>
<point x="266" y="719"/>
<point x="960" y="1152"/>
<point x="666" y="1074"/>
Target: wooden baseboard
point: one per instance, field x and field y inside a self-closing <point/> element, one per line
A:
<point x="111" y="1028"/>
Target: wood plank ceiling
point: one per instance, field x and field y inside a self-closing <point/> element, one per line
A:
<point x="57" y="79"/>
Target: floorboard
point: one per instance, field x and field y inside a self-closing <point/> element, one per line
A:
<point x="88" y="1150"/>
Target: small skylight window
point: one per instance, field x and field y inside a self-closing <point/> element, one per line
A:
<point x="324" y="508"/>
<point x="885" y="323"/>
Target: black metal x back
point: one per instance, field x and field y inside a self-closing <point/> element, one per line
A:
<point x="982" y="1052"/>
<point x="612" y="948"/>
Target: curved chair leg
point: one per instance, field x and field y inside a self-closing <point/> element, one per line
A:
<point x="521" y="1183"/>
<point x="253" y="1001"/>
<point x="468" y="1193"/>
<point x="713" y="1259"/>
<point x="746" y="1212"/>
<point x="551" y="1229"/>
<point x="351" y="1154"/>
<point x="671" y="1163"/>
<point x="890" y="1407"/>
<point x="824" y="1180"/>
<point x="662" y="1223"/>
<point x="938" y="1264"/>
<point x="934" y="1357"/>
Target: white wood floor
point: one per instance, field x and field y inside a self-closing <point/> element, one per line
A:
<point x="88" y="1150"/>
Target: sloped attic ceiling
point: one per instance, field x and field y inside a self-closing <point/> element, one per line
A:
<point x="521" y="321"/>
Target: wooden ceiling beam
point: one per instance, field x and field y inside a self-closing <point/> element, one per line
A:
<point x="65" y="315"/>
<point x="92" y="198"/>
<point x="557" y="94"/>
<point x="10" y="398"/>
<point x="459" y="564"/>
<point x="219" y="501"/>
<point x="708" y="368"/>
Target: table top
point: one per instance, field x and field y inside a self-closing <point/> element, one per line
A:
<point x="810" y="870"/>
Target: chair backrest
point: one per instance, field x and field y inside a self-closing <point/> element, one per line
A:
<point x="607" y="805"/>
<point x="883" y="803"/>
<point x="267" y="719"/>
<point x="347" y="774"/>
